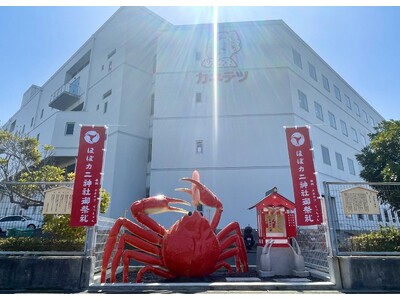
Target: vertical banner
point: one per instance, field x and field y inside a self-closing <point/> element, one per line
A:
<point x="308" y="206"/>
<point x="86" y="193"/>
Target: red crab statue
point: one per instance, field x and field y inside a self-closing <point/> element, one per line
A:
<point x="190" y="248"/>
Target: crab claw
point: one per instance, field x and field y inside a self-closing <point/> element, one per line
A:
<point x="156" y="205"/>
<point x="194" y="191"/>
<point x="206" y="196"/>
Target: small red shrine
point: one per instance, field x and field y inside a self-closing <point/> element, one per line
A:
<point x="275" y="219"/>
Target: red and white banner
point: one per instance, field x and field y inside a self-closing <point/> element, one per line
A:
<point x="86" y="193"/>
<point x="308" y="205"/>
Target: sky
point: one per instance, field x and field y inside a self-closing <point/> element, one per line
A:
<point x="361" y="43"/>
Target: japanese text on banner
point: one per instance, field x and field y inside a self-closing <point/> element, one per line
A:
<point x="85" y="198"/>
<point x="308" y="206"/>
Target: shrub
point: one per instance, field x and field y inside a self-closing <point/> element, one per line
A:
<point x="386" y="239"/>
<point x="40" y="244"/>
<point x="58" y="234"/>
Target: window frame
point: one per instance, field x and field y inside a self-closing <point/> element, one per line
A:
<point x="312" y="71"/>
<point x="300" y="94"/>
<point x="341" y="165"/>
<point x="67" y="129"/>
<point x="352" y="168"/>
<point x="325" y="83"/>
<point x="332" y="118"/>
<point x="297" y="58"/>
<point x="326" y="158"/>
<point x="318" y="111"/>
<point x="343" y="127"/>
<point x="338" y="94"/>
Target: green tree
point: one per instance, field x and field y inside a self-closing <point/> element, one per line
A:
<point x="381" y="160"/>
<point x="23" y="159"/>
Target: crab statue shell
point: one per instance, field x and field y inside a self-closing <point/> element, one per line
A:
<point x="190" y="248"/>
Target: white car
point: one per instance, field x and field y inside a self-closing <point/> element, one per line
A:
<point x="18" y="222"/>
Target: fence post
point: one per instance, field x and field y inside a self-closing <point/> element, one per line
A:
<point x="90" y="241"/>
<point x="326" y="227"/>
<point x="330" y="220"/>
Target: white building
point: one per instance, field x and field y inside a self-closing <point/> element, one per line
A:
<point x="152" y="84"/>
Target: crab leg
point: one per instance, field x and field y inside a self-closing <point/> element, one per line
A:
<point x="142" y="257"/>
<point x="223" y="264"/>
<point x="113" y="235"/>
<point x="155" y="270"/>
<point x="239" y="252"/>
<point x="138" y="256"/>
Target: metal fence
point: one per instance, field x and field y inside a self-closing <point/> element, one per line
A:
<point x="102" y="230"/>
<point x="21" y="213"/>
<point x="313" y="245"/>
<point x="356" y="208"/>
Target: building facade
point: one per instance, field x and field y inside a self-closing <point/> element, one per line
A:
<point x="172" y="107"/>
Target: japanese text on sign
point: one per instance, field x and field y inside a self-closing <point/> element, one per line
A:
<point x="226" y="76"/>
<point x="308" y="206"/>
<point x="88" y="176"/>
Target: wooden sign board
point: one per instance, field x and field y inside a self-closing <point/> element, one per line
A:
<point x="359" y="200"/>
<point x="58" y="201"/>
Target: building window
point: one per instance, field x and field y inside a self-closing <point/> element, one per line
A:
<point x="69" y="128"/>
<point x="297" y="59"/>
<point x="354" y="135"/>
<point x="110" y="65"/>
<point x="325" y="83"/>
<point x="98" y="106"/>
<point x="312" y="71"/>
<point x="344" y="128"/>
<point x="347" y="100"/>
<point x="37" y="137"/>
<point x="303" y="100"/>
<point x="337" y="93"/>
<point x="107" y="94"/>
<point x="356" y="109"/>
<point x="332" y="119"/>
<point x="23" y="128"/>
<point x="351" y="166"/>
<point x="339" y="161"/>
<point x="318" y="111"/>
<point x="32" y="121"/>
<point x="199" y="147"/>
<point x="365" y="116"/>
<point x="198" y="98"/>
<point x="325" y="155"/>
<point x="105" y="107"/>
<point x="41" y="113"/>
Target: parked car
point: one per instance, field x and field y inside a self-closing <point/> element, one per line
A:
<point x="18" y="222"/>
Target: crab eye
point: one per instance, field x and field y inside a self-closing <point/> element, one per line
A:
<point x="189" y="213"/>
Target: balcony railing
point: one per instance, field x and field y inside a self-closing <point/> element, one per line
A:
<point x="65" y="96"/>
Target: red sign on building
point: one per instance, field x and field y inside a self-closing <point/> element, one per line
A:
<point x="86" y="193"/>
<point x="308" y="205"/>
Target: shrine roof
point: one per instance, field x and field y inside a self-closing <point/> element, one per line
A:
<point x="273" y="198"/>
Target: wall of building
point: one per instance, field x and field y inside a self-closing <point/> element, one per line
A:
<point x="240" y="148"/>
